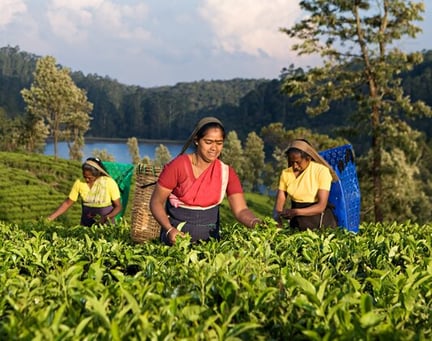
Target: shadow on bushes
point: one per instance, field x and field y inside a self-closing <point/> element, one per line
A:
<point x="114" y="232"/>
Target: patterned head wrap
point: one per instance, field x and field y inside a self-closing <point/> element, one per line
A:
<point x="94" y="164"/>
<point x="200" y="124"/>
<point x="308" y="149"/>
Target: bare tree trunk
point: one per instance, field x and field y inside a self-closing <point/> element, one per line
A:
<point x="376" y="165"/>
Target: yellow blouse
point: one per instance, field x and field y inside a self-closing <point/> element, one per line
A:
<point x="305" y="187"/>
<point x="102" y="193"/>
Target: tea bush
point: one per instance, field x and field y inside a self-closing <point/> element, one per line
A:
<point x="68" y="283"/>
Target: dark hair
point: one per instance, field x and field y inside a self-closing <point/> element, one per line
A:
<point x="302" y="153"/>
<point x="200" y="133"/>
<point x="94" y="171"/>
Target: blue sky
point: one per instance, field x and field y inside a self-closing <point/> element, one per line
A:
<point x="163" y="42"/>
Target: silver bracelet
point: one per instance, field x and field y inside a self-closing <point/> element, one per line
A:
<point x="169" y="230"/>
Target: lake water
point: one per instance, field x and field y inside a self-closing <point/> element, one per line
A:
<point x="119" y="150"/>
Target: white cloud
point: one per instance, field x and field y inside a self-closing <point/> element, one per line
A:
<point x="70" y="26"/>
<point x="123" y="21"/>
<point x="75" y="20"/>
<point x="251" y="26"/>
<point x="160" y="42"/>
<point x="9" y="9"/>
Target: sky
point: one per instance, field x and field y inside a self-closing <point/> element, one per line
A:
<point x="164" y="42"/>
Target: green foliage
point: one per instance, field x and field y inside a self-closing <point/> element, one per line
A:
<point x="261" y="205"/>
<point x="76" y="125"/>
<point x="254" y="158"/>
<point x="232" y="153"/>
<point x="361" y="63"/>
<point x="76" y="148"/>
<point x="16" y="72"/>
<point x="264" y="284"/>
<point x="132" y="143"/>
<point x="405" y="168"/>
<point x="33" y="186"/>
<point x="55" y="101"/>
<point x="11" y="133"/>
<point x="103" y="154"/>
<point x="122" y="111"/>
<point x="162" y="155"/>
<point x="244" y="106"/>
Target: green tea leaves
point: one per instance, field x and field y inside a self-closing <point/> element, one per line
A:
<point x="95" y="283"/>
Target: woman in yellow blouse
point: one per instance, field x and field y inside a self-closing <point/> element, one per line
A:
<point x="99" y="193"/>
<point x="306" y="182"/>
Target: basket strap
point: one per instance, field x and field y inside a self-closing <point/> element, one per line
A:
<point x="148" y="185"/>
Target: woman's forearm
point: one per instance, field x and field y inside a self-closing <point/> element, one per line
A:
<point x="117" y="207"/>
<point x="64" y="206"/>
<point x="159" y="213"/>
<point x="248" y="218"/>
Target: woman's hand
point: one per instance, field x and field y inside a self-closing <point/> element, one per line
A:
<point x="172" y="234"/>
<point x="289" y="213"/>
<point x="105" y="219"/>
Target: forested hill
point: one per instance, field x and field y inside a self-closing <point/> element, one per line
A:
<point x="169" y="112"/>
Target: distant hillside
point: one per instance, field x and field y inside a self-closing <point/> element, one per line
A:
<point x="169" y="112"/>
<point x="33" y="186"/>
<point x="123" y="111"/>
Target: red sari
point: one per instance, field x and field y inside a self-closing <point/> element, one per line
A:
<point x="196" y="200"/>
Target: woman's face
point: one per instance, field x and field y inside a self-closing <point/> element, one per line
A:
<point x="209" y="147"/>
<point x="297" y="162"/>
<point x="89" y="177"/>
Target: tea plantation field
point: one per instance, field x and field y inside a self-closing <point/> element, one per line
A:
<point x="33" y="185"/>
<point x="60" y="281"/>
<point x="73" y="283"/>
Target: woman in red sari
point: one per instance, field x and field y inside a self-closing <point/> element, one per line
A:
<point x="191" y="187"/>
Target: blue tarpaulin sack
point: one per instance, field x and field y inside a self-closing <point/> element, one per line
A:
<point x="345" y="193"/>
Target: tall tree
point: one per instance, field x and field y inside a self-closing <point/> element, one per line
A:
<point x="9" y="138"/>
<point x="162" y="155"/>
<point x="103" y="154"/>
<point x="232" y="153"/>
<point x="406" y="194"/>
<point x="76" y="124"/>
<point x="134" y="150"/>
<point x="33" y="133"/>
<point x="53" y="98"/>
<point x="361" y="61"/>
<point x="254" y="159"/>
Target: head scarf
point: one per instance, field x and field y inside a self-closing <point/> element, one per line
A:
<point x="95" y="165"/>
<point x="199" y="125"/>
<point x="308" y="149"/>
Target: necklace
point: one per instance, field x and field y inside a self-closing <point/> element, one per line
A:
<point x="199" y="168"/>
<point x="195" y="160"/>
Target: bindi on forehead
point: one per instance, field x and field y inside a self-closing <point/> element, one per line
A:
<point x="211" y="141"/>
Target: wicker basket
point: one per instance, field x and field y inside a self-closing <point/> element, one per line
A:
<point x="144" y="226"/>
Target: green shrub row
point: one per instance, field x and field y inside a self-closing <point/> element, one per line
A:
<point x="72" y="283"/>
<point x="34" y="185"/>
